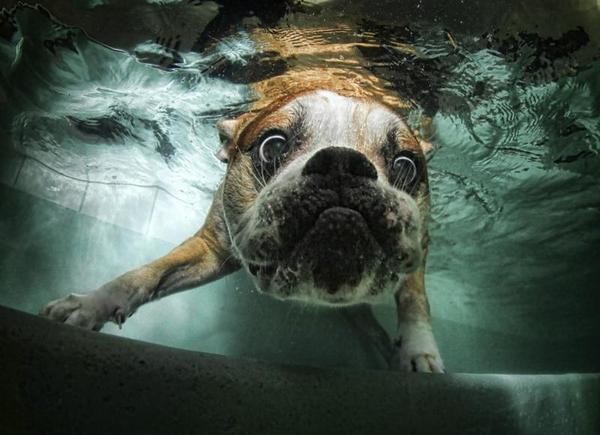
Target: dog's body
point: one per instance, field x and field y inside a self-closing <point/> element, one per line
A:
<point x="325" y="200"/>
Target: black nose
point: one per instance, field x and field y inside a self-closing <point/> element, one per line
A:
<point x="340" y="161"/>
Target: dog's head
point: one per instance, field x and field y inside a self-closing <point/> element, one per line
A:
<point x="324" y="198"/>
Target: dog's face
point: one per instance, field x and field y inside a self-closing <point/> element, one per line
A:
<point x="324" y="198"/>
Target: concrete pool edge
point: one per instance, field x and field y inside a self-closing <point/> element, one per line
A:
<point x="56" y="378"/>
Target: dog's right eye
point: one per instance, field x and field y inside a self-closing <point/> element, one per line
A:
<point x="273" y="147"/>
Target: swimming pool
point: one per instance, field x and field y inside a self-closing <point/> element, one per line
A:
<point x="107" y="162"/>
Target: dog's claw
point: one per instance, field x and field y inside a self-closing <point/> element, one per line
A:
<point x="421" y="363"/>
<point x="416" y="351"/>
<point x="426" y="363"/>
<point x="119" y="320"/>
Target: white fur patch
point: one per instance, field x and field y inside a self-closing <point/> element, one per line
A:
<point x="418" y="350"/>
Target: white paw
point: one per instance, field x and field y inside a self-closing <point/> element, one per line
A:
<point x="87" y="311"/>
<point x="416" y="349"/>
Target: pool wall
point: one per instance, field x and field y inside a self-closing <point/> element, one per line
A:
<point x="56" y="378"/>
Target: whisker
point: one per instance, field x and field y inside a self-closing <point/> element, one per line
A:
<point x="260" y="182"/>
<point x="224" y="262"/>
<point x="399" y="177"/>
<point x="404" y="181"/>
<point x="414" y="187"/>
<point x="262" y="175"/>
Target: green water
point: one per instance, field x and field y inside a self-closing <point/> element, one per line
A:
<point x="107" y="162"/>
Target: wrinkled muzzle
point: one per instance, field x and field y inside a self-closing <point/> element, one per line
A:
<point x="332" y="229"/>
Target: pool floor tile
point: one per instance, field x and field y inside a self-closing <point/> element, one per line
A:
<point x="126" y="206"/>
<point x="173" y="220"/>
<point x="38" y="180"/>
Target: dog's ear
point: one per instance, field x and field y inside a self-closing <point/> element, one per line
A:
<point x="427" y="131"/>
<point x="227" y="128"/>
<point x="427" y="147"/>
<point x="227" y="131"/>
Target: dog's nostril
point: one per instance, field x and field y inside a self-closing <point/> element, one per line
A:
<point x="338" y="161"/>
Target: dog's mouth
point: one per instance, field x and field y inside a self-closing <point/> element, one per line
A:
<point x="337" y="250"/>
<point x="263" y="269"/>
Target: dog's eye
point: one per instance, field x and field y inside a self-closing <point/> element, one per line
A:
<point x="273" y="147"/>
<point x="405" y="172"/>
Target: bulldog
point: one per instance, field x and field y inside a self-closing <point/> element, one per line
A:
<point x="325" y="201"/>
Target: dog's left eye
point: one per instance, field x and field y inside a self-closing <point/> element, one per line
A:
<point x="405" y="170"/>
<point x="273" y="147"/>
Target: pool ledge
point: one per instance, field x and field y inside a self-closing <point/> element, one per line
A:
<point x="56" y="378"/>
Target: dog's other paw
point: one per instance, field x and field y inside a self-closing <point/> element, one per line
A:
<point x="78" y="310"/>
<point x="421" y="363"/>
<point x="114" y="301"/>
<point x="415" y="350"/>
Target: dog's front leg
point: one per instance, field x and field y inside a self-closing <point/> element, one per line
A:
<point x="200" y="259"/>
<point x="415" y="347"/>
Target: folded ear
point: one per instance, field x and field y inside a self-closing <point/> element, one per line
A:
<point x="427" y="147"/>
<point x="427" y="131"/>
<point x="227" y="130"/>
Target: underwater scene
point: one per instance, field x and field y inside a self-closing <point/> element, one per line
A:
<point x="108" y="143"/>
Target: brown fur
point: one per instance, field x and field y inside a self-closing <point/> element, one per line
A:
<point x="322" y="58"/>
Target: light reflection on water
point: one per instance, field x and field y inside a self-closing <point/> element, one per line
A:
<point x="514" y="178"/>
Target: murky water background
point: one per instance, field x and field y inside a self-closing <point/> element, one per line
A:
<point x="513" y="264"/>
